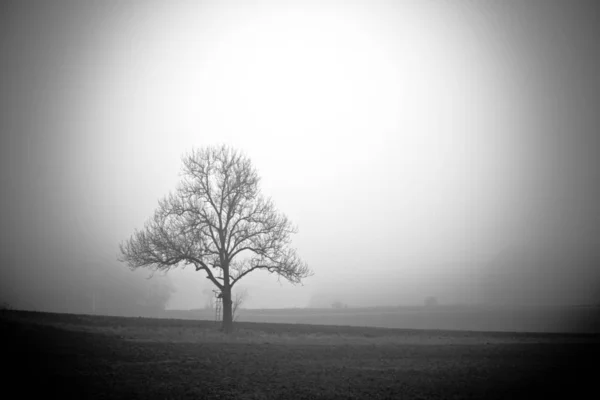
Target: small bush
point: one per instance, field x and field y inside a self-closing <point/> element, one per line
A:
<point x="338" y="305"/>
<point x="431" y="301"/>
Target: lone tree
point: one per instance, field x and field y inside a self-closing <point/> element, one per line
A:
<point x="217" y="221"/>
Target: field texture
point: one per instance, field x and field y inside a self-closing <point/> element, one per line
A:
<point x="77" y="356"/>
<point x="474" y="318"/>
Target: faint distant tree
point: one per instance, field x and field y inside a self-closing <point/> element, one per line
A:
<point x="338" y="304"/>
<point x="5" y="306"/>
<point x="159" y="294"/>
<point x="431" y="301"/>
<point x="210" y="302"/>
<point x="217" y="221"/>
<point x="240" y="298"/>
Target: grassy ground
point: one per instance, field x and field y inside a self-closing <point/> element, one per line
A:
<point x="72" y="356"/>
<point x="477" y="318"/>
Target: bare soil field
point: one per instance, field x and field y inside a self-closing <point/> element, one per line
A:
<point x="96" y="357"/>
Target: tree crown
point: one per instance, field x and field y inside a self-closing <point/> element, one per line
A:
<point x="217" y="221"/>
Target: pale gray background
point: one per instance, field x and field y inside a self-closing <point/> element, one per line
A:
<point x="418" y="145"/>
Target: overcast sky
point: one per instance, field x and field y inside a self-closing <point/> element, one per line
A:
<point x="412" y="142"/>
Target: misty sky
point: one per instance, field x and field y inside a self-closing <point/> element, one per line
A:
<point x="414" y="143"/>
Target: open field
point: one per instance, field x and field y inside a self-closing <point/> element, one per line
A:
<point x="583" y="319"/>
<point x="80" y="356"/>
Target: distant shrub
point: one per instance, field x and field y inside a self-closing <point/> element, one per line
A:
<point x="431" y="301"/>
<point x="339" y="304"/>
<point x="5" y="306"/>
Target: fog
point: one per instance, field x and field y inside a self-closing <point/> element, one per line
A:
<point x="423" y="148"/>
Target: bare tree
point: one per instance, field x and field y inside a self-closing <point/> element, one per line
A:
<point x="217" y="221"/>
<point x="159" y="294"/>
<point x="210" y="296"/>
<point x="239" y="299"/>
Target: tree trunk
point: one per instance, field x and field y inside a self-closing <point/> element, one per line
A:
<point x="227" y="325"/>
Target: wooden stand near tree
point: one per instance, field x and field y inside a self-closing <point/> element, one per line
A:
<point x="218" y="304"/>
<point x="217" y="221"/>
